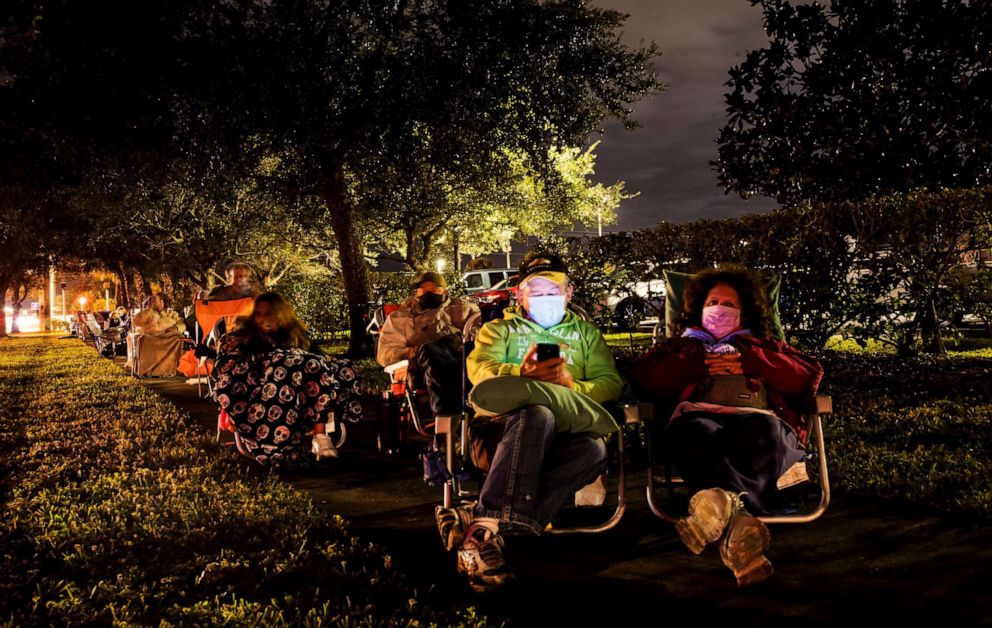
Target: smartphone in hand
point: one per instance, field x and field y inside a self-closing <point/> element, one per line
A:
<point x="547" y="351"/>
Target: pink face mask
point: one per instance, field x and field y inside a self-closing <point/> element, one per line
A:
<point x="720" y="320"/>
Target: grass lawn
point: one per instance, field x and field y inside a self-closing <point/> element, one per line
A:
<point x="116" y="511"/>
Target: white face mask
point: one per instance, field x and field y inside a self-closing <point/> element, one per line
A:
<point x="547" y="311"/>
<point x="720" y="320"/>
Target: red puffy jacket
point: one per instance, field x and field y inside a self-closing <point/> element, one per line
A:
<point x="669" y="373"/>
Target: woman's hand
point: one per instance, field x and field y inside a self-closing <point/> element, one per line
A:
<point x="723" y="364"/>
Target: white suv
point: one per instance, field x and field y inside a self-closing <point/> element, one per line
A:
<point x="485" y="279"/>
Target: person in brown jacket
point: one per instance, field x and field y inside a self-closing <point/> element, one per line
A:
<point x="427" y="331"/>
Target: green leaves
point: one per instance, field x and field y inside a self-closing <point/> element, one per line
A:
<point x="857" y="97"/>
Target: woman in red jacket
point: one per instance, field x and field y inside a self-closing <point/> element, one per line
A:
<point x="735" y="399"/>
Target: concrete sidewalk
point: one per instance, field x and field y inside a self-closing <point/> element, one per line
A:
<point x="864" y="563"/>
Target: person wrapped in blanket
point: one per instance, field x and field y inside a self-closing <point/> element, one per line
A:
<point x="278" y="395"/>
<point x="735" y="398"/>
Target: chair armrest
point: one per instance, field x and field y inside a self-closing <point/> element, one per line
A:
<point x="395" y="366"/>
<point x="824" y="404"/>
<point x="446" y="423"/>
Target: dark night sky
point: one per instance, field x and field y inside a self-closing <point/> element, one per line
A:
<point x="666" y="159"/>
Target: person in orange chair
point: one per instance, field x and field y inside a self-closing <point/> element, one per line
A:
<point x="241" y="283"/>
<point x="276" y="392"/>
<point x="735" y="397"/>
<point x="427" y="330"/>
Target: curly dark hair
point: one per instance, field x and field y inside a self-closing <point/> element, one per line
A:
<point x="290" y="332"/>
<point x="756" y="311"/>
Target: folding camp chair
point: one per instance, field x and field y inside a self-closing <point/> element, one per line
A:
<point x="403" y="407"/>
<point x="106" y="341"/>
<point x="812" y="469"/>
<point x="207" y="313"/>
<point x="453" y="433"/>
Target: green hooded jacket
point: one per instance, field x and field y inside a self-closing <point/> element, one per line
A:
<point x="501" y="344"/>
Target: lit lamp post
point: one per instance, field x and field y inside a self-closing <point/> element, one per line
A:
<point x="440" y="265"/>
<point x="82" y="303"/>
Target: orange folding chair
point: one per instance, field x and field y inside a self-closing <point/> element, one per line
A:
<point x="208" y="312"/>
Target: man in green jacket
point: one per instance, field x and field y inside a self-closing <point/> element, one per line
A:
<point x="538" y="463"/>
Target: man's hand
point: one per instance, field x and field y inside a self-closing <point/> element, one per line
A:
<point x="553" y="371"/>
<point x="723" y="364"/>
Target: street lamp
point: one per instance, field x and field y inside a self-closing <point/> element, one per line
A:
<point x="440" y="265"/>
<point x="82" y="302"/>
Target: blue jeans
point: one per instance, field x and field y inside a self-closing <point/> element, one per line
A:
<point x="744" y="452"/>
<point x="536" y="469"/>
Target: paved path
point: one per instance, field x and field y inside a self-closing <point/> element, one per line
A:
<point x="863" y="563"/>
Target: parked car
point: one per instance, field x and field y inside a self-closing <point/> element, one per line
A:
<point x="505" y="290"/>
<point x="641" y="304"/>
<point x="486" y="279"/>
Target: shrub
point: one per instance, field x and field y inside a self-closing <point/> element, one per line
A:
<point x="917" y="430"/>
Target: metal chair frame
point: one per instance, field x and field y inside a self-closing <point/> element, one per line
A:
<point x="824" y="407"/>
<point x="454" y="430"/>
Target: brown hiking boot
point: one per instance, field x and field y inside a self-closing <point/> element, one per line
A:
<point x="709" y="512"/>
<point x="743" y="549"/>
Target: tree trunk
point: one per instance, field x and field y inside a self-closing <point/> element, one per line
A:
<point x="456" y="255"/>
<point x="145" y="290"/>
<point x="123" y="286"/>
<point x="353" y="270"/>
<point x="4" y="284"/>
<point x="17" y="300"/>
<point x="930" y="329"/>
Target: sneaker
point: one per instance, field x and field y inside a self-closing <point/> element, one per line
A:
<point x="481" y="559"/>
<point x="709" y="513"/>
<point x="452" y="523"/>
<point x="323" y="447"/>
<point x="743" y="549"/>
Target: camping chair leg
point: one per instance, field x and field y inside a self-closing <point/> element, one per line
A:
<point x="651" y="494"/>
<point x="817" y="433"/>
<point x="464" y="449"/>
<point x="411" y="409"/>
<point x="447" y="426"/>
<point x="621" y="501"/>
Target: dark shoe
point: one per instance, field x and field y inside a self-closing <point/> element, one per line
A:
<point x="709" y="512"/>
<point x="743" y="549"/>
<point x="451" y="524"/>
<point x="481" y="559"/>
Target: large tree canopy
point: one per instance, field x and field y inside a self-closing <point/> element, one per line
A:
<point x="343" y="91"/>
<point x="857" y="97"/>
